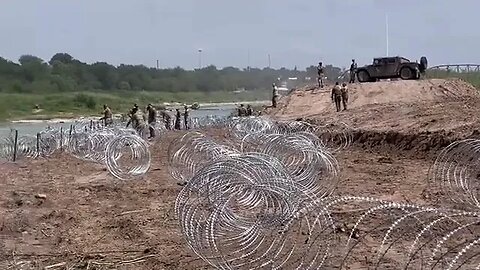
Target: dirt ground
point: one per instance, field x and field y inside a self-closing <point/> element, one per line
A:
<point x="70" y="213"/>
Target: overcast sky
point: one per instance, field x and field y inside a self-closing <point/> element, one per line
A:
<point x="293" y="32"/>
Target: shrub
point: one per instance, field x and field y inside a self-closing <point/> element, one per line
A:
<point x="85" y="100"/>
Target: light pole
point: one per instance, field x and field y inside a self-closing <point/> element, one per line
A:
<point x="200" y="58"/>
<point x="387" y="34"/>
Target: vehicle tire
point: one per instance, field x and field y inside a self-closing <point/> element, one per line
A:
<point x="363" y="76"/>
<point x="407" y="73"/>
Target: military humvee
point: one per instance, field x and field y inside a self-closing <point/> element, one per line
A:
<point x="390" y="68"/>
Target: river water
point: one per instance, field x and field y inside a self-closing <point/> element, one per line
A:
<point x="33" y="127"/>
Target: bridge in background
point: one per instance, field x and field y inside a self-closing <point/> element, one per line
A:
<point x="457" y="67"/>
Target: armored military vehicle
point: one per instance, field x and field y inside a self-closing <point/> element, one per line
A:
<point x="391" y="68"/>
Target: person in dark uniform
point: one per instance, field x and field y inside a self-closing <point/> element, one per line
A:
<point x="249" y="110"/>
<point x="130" y="116"/>
<point x="353" y="68"/>
<point x="186" y="116"/>
<point x="320" y="73"/>
<point x="344" y="90"/>
<point x="152" y="120"/>
<point x="241" y="111"/>
<point x="167" y="119"/>
<point x="178" y="119"/>
<point x="423" y="66"/>
<point x="137" y="119"/>
<point x="337" y="96"/>
<point x="275" y="96"/>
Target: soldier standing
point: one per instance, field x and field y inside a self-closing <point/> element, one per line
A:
<point x="344" y="90"/>
<point x="137" y="119"/>
<point x="423" y="66"/>
<point x="353" y="68"/>
<point x="337" y="96"/>
<point x="152" y="120"/>
<point x="249" y="110"/>
<point x="185" y="117"/>
<point x="241" y="111"/>
<point x="178" y="117"/>
<point x="320" y="74"/>
<point x="131" y="113"/>
<point x="167" y="119"/>
<point x="130" y="116"/>
<point x="274" y="96"/>
<point x="107" y="116"/>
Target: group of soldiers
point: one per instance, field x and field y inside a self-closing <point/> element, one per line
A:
<point x="140" y="120"/>
<point x="339" y="93"/>
<point x="242" y="111"/>
<point x="321" y="73"/>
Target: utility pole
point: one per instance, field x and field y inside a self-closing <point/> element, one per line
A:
<point x="200" y="58"/>
<point x="387" y="34"/>
<point x="248" y="61"/>
<point x="269" y="61"/>
<point x="158" y="64"/>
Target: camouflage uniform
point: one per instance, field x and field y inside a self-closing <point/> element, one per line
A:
<point x="138" y="122"/>
<point x="344" y="90"/>
<point x="107" y="116"/>
<point x="249" y="110"/>
<point x="320" y="75"/>
<point x="178" y="117"/>
<point x="185" y="118"/>
<point x="353" y="68"/>
<point x="337" y="97"/>
<point x="275" y="96"/>
<point x="167" y="119"/>
<point x="152" y="120"/>
<point x="241" y="111"/>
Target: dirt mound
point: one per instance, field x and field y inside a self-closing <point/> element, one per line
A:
<point x="402" y="106"/>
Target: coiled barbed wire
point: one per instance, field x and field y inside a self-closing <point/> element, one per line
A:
<point x="129" y="162"/>
<point x="97" y="145"/>
<point x="209" y="121"/>
<point x="244" y="212"/>
<point x="127" y="157"/>
<point x="332" y="137"/>
<point x="190" y="152"/>
<point x="242" y="126"/>
<point x="26" y="148"/>
<point x="311" y="166"/>
<point x="6" y="151"/>
<point x="87" y="141"/>
<point x="335" y="137"/>
<point x="457" y="172"/>
<point x="289" y="127"/>
<point x="407" y="236"/>
<point x="48" y="143"/>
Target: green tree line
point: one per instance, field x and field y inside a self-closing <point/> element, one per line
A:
<point x="64" y="73"/>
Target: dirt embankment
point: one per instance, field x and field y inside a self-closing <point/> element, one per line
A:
<point x="422" y="115"/>
<point x="63" y="210"/>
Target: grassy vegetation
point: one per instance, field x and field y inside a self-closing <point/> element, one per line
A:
<point x="471" y="77"/>
<point x="18" y="105"/>
<point x="71" y="104"/>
